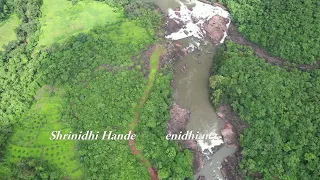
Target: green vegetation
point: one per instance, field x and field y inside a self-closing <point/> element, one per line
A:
<point x="154" y="64"/>
<point x="171" y="160"/>
<point x="113" y="109"/>
<point x="282" y="109"/>
<point x="17" y="73"/>
<point x="7" y="32"/>
<point x="62" y="18"/>
<point x="5" y="9"/>
<point x="289" y="29"/>
<point x="87" y="79"/>
<point x="30" y="140"/>
<point x="31" y="168"/>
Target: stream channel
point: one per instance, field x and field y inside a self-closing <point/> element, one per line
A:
<point x="191" y="91"/>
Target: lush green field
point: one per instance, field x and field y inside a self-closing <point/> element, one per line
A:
<point x="61" y="19"/>
<point x="31" y="136"/>
<point x="7" y="30"/>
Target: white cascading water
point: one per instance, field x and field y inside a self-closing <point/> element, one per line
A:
<point x="202" y="12"/>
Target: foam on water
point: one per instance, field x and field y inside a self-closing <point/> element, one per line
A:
<point x="209" y="144"/>
<point x="202" y="12"/>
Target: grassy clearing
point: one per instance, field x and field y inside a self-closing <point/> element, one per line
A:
<point x="7" y="30"/>
<point x="31" y="138"/>
<point x="154" y="63"/>
<point x="130" y="33"/>
<point x="61" y="19"/>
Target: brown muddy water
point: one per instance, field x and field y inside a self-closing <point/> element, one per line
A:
<point x="191" y="91"/>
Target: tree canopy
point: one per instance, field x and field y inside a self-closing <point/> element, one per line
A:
<point x="288" y="29"/>
<point x="282" y="108"/>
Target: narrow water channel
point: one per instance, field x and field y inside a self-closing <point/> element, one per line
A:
<point x="191" y="91"/>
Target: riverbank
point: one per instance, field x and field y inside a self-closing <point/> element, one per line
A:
<point x="187" y="26"/>
<point x="231" y="134"/>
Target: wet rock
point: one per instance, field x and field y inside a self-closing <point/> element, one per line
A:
<point x="216" y="148"/>
<point x="178" y="14"/>
<point x="216" y="27"/>
<point x="173" y="25"/>
<point x="231" y="133"/>
<point x="233" y="126"/>
<point x="194" y="19"/>
<point x="219" y="5"/>
<point x="179" y="119"/>
<point x="201" y="178"/>
<point x="229" y="168"/>
<point x="205" y="1"/>
<point x="229" y="136"/>
<point x="175" y="52"/>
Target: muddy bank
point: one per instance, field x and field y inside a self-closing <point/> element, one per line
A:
<point x="231" y="133"/>
<point x="235" y="36"/>
<point x="177" y="123"/>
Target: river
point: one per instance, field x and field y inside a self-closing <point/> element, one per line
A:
<point x="191" y="91"/>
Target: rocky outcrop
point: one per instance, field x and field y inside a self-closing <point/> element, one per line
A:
<point x="229" y="168"/>
<point x="177" y="123"/>
<point x="201" y="178"/>
<point x="216" y="28"/>
<point x="233" y="125"/>
<point x="173" y="25"/>
<point x="179" y="119"/>
<point x="175" y="53"/>
<point x="231" y="133"/>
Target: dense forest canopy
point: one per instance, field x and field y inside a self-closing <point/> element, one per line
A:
<point x="5" y="9"/>
<point x="288" y="29"/>
<point x="281" y="107"/>
<point x="87" y="81"/>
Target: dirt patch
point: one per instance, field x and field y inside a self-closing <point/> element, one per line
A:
<point x="41" y="91"/>
<point x="216" y="28"/>
<point x="152" y="171"/>
<point x="177" y="123"/>
<point x="144" y="57"/>
<point x="235" y="36"/>
<point x="231" y="133"/>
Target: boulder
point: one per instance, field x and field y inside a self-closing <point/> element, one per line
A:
<point x="216" y="27"/>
